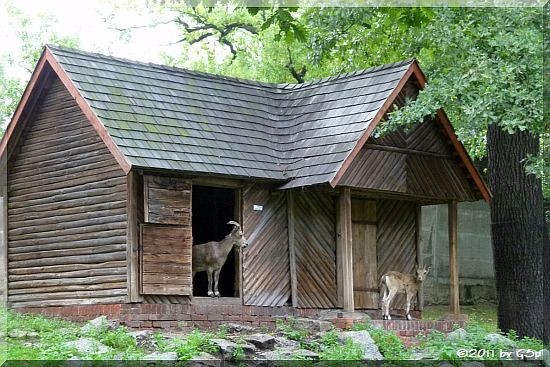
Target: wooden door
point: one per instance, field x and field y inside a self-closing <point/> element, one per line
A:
<point x="166" y="237"/>
<point x="365" y="273"/>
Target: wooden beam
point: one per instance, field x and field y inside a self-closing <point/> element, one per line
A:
<point x="132" y="236"/>
<point x="345" y="251"/>
<point x="388" y="148"/>
<point x="453" y="258"/>
<point x="292" y="248"/>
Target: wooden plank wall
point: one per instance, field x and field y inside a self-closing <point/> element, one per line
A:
<point x="266" y="275"/>
<point x="377" y="169"/>
<point x="396" y="247"/>
<point x="66" y="211"/>
<point x="315" y="246"/>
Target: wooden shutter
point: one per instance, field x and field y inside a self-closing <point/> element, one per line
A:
<point x="166" y="260"/>
<point x="167" y="200"/>
<point x="166" y="237"/>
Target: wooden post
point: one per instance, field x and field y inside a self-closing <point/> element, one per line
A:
<point x="419" y="255"/>
<point x="132" y="235"/>
<point x="345" y="251"/>
<point x="238" y="215"/>
<point x="453" y="259"/>
<point x="292" y="248"/>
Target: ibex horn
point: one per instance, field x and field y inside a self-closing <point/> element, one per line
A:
<point x="234" y="223"/>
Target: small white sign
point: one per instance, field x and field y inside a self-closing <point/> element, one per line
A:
<point x="258" y="207"/>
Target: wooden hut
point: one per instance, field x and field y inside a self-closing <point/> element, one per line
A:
<point x="116" y="168"/>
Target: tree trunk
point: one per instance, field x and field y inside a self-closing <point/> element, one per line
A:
<point x="518" y="233"/>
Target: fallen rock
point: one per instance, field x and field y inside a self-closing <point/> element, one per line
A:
<point x="205" y="359"/>
<point x="306" y="354"/>
<point x="17" y="334"/>
<point x="458" y="334"/>
<point x="261" y="341"/>
<point x="99" y="324"/>
<point x="312" y="325"/>
<point x="238" y="328"/>
<point x="420" y="355"/>
<point x="288" y="354"/>
<point x="282" y="342"/>
<point x="363" y="338"/>
<point x="499" y="339"/>
<point x="144" y="339"/>
<point x="87" y="346"/>
<point x="226" y="347"/>
<point x="248" y="348"/>
<point x="157" y="356"/>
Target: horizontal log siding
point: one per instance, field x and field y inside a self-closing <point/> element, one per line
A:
<point x="66" y="211"/>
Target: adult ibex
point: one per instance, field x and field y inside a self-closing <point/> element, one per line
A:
<point x="211" y="256"/>
<point x="395" y="282"/>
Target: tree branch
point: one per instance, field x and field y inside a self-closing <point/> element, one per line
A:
<point x="222" y="31"/>
<point x="298" y="75"/>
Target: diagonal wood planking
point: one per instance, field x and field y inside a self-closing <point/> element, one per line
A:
<point x="266" y="277"/>
<point x="396" y="239"/>
<point x="315" y="249"/>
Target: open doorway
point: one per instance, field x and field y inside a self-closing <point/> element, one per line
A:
<point x="213" y="207"/>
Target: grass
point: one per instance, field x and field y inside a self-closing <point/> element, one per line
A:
<point x="51" y="335"/>
<point x="484" y="314"/>
<point x="482" y="321"/>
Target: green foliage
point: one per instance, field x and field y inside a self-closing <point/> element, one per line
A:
<point x="288" y="329"/>
<point x="53" y="333"/>
<point x="193" y="344"/>
<point x="239" y="353"/>
<point x="31" y="35"/>
<point x="440" y="347"/>
<point x="484" y="314"/>
<point x="388" y="343"/>
<point x="349" y="351"/>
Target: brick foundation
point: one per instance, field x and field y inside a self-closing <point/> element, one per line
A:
<point x="202" y="314"/>
<point x="208" y="313"/>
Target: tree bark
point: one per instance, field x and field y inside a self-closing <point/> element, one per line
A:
<point x="517" y="224"/>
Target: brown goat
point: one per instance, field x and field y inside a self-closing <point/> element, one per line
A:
<point x="395" y="282"/>
<point x="211" y="256"/>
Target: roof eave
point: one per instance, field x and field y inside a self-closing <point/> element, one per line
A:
<point x="47" y="58"/>
<point x="413" y="69"/>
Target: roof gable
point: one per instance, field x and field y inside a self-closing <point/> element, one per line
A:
<point x="158" y="117"/>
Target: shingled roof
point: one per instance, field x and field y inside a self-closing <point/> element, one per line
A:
<point x="169" y="118"/>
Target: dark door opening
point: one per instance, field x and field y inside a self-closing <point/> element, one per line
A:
<point x="213" y="207"/>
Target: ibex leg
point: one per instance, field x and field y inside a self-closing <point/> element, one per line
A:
<point x="216" y="278"/>
<point x="409" y="299"/>
<point x="210" y="293"/>
<point x="389" y="298"/>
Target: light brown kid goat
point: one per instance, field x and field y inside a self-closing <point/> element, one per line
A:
<point x="394" y="282"/>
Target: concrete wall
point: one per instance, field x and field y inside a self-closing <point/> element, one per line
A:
<point x="475" y="253"/>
